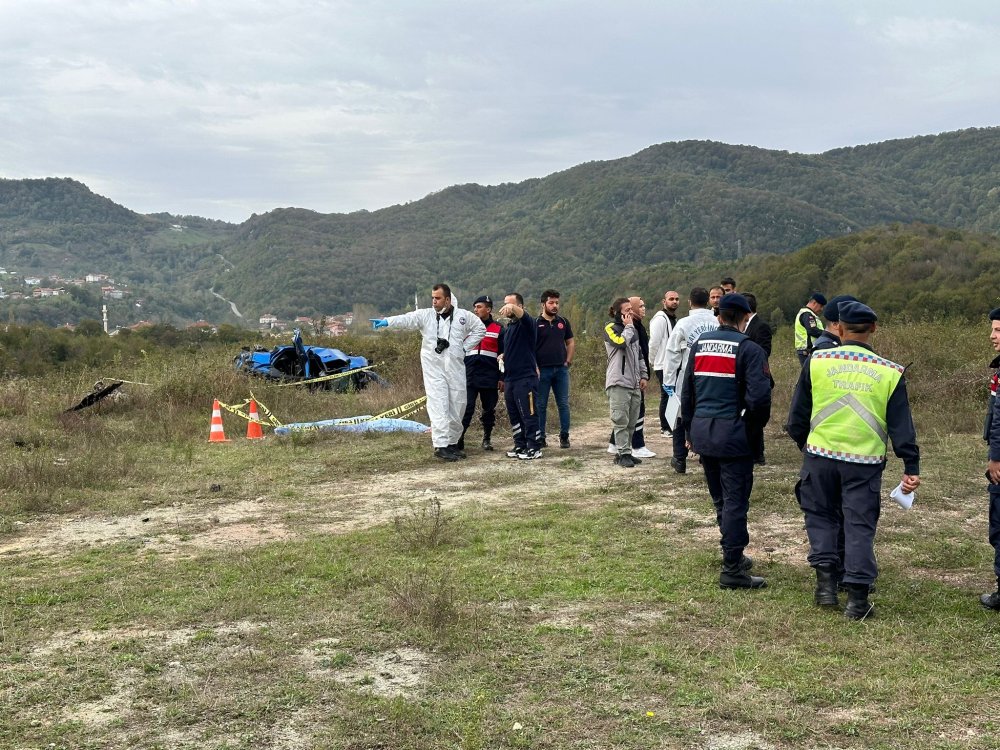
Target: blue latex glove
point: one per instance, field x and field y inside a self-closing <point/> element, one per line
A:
<point x="668" y="389"/>
<point x="379" y="323"/>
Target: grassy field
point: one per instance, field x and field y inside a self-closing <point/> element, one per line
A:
<point x="339" y="591"/>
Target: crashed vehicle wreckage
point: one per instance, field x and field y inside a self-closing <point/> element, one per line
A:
<point x="317" y="367"/>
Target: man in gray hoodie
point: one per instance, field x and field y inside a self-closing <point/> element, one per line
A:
<point x="625" y="379"/>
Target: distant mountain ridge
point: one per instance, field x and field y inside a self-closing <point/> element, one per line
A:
<point x="691" y="202"/>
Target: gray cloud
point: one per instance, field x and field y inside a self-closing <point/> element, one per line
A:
<point x="227" y="108"/>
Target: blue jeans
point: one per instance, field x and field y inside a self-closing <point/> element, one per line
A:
<point x="556" y="378"/>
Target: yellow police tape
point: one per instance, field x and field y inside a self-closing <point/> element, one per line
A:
<point x="326" y="378"/>
<point x="398" y="412"/>
<point x="239" y="411"/>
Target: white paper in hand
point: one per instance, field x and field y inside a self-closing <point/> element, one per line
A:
<point x="905" y="499"/>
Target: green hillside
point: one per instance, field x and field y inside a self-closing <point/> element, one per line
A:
<point x="58" y="227"/>
<point x="919" y="271"/>
<point x="696" y="204"/>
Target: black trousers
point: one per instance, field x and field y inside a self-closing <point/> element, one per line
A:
<point x="664" y="399"/>
<point x="679" y="441"/>
<point x="730" y="481"/>
<point x="519" y="396"/>
<point x="840" y="497"/>
<point x="489" y="398"/>
<point x="995" y="526"/>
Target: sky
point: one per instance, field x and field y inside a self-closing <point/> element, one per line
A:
<point x="224" y="109"/>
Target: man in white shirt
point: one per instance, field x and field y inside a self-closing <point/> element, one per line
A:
<point x="660" y="327"/>
<point x="685" y="332"/>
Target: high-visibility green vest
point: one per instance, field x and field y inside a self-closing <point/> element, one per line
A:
<point x="851" y="387"/>
<point x="801" y="334"/>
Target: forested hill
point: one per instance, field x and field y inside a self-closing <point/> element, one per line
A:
<point x="915" y="271"/>
<point x="696" y="203"/>
<point x="685" y="202"/>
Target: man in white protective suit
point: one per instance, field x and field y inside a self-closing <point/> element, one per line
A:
<point x="449" y="333"/>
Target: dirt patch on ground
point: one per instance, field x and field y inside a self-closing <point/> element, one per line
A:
<point x="491" y="479"/>
<point x="399" y="672"/>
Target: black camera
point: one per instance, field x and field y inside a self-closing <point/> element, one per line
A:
<point x="442" y="344"/>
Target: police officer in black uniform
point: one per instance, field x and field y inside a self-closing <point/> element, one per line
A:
<point x="726" y="398"/>
<point x="848" y="404"/>
<point x="991" y="434"/>
<point x="482" y="373"/>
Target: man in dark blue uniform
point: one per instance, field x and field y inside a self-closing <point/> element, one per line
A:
<point x="991" y="433"/>
<point x="830" y="337"/>
<point x="520" y="379"/>
<point x="848" y="404"/>
<point x="725" y="399"/>
<point x="482" y="373"/>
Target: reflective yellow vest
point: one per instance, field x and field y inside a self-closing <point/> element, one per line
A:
<point x="801" y="334"/>
<point x="851" y="387"/>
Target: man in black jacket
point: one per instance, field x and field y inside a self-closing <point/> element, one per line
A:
<point x="757" y="329"/>
<point x="725" y="398"/>
<point x="991" y="433"/>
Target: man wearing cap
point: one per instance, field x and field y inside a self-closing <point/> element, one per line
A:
<point x="848" y="404"/>
<point x="482" y="373"/>
<point x="448" y="334"/>
<point x="725" y="399"/>
<point x="808" y="326"/>
<point x="830" y="337"/>
<point x="991" y="434"/>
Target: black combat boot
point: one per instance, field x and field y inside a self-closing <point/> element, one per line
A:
<point x="991" y="601"/>
<point x="858" y="606"/>
<point x="826" y="586"/>
<point x="444" y="454"/>
<point x="746" y="562"/>
<point x="735" y="576"/>
<point x="487" y="445"/>
<point x="457" y="449"/>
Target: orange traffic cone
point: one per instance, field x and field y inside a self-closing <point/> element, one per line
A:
<point x="217" y="435"/>
<point x="253" y="426"/>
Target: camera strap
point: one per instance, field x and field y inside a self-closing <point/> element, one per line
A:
<point x="451" y="319"/>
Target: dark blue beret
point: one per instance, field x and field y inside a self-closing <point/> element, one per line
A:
<point x="734" y="301"/>
<point x="832" y="310"/>
<point x="817" y="297"/>
<point x="485" y="299"/>
<point x="856" y="312"/>
<point x="995" y="313"/>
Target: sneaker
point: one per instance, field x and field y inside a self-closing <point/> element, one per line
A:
<point x="643" y="452"/>
<point x="679" y="465"/>
<point x="666" y="433"/>
<point x="625" y="461"/>
<point x="612" y="449"/>
<point x="564" y="441"/>
<point x="444" y="454"/>
<point x="529" y="455"/>
<point x="514" y="453"/>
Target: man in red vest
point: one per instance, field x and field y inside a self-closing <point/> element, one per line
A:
<point x="482" y="373"/>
